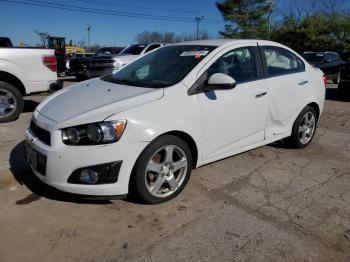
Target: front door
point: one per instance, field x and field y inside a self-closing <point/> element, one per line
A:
<point x="234" y="119"/>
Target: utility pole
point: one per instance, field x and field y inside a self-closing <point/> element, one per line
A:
<point x="271" y="2"/>
<point x="198" y="19"/>
<point x="88" y="31"/>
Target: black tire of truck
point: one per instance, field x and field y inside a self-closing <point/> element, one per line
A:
<point x="10" y="95"/>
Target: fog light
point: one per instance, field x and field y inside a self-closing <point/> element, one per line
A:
<point x="88" y="176"/>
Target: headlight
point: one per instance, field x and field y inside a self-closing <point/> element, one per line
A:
<point x="116" y="64"/>
<point x="96" y="133"/>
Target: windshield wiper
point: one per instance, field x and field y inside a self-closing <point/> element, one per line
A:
<point x="125" y="82"/>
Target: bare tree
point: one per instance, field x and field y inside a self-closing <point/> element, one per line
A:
<point x="81" y="43"/>
<point x="44" y="37"/>
<point x="333" y="6"/>
<point x="300" y="9"/>
<point x="168" y="37"/>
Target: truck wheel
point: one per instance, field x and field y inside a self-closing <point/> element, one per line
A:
<point x="343" y="89"/>
<point x="80" y="77"/>
<point x="11" y="102"/>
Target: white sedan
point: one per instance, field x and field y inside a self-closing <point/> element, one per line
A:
<point x="144" y="128"/>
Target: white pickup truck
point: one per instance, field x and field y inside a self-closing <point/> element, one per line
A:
<point x="24" y="71"/>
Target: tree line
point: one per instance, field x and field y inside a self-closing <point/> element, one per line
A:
<point x="303" y="25"/>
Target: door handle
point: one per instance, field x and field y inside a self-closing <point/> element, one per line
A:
<point x="260" y="94"/>
<point x="303" y="83"/>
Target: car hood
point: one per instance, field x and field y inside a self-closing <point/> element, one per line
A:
<point x="94" y="100"/>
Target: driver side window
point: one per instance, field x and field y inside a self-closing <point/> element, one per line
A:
<point x="238" y="63"/>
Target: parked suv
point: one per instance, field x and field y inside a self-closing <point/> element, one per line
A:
<point x="328" y="62"/>
<point x="104" y="66"/>
<point x="344" y="83"/>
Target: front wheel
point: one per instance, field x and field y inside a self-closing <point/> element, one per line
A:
<point x="162" y="170"/>
<point x="304" y="128"/>
<point x="11" y="102"/>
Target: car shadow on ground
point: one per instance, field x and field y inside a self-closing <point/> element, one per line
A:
<point x="29" y="105"/>
<point x="333" y="95"/>
<point x="281" y="144"/>
<point x="24" y="176"/>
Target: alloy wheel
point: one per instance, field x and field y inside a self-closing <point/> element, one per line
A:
<point x="166" y="171"/>
<point x="307" y="127"/>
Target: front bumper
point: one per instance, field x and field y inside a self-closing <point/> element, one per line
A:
<point x="62" y="160"/>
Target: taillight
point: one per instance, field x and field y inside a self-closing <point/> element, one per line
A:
<point x="325" y="80"/>
<point x="50" y="62"/>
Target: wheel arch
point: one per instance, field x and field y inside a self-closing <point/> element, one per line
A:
<point x="315" y="106"/>
<point x="188" y="140"/>
<point x="13" y="80"/>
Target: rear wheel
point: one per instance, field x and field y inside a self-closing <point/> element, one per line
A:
<point x="304" y="128"/>
<point x="336" y="80"/>
<point x="11" y="102"/>
<point x="162" y="170"/>
<point x="342" y="88"/>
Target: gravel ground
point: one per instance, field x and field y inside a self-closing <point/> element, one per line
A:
<point x="268" y="204"/>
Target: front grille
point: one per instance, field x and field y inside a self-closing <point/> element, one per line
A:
<point x="41" y="134"/>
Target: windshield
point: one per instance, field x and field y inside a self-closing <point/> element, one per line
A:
<point x="103" y="52"/>
<point x="133" y="50"/>
<point x="313" y="57"/>
<point x="164" y="67"/>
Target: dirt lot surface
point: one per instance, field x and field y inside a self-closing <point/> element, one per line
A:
<point x="269" y="204"/>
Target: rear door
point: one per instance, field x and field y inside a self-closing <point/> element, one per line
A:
<point x="287" y="85"/>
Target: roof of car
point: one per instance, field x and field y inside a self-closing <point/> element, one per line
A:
<point x="220" y="42"/>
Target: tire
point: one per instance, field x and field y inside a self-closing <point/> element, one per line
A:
<point x="11" y="98"/>
<point x="336" y="80"/>
<point x="342" y="88"/>
<point x="80" y="77"/>
<point x="300" y="126"/>
<point x="155" y="178"/>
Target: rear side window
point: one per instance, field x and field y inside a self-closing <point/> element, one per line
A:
<point x="281" y="61"/>
<point x="332" y="57"/>
<point x="238" y="63"/>
<point x="152" y="47"/>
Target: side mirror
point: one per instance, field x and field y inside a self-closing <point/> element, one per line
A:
<point x="327" y="61"/>
<point x="220" y="81"/>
